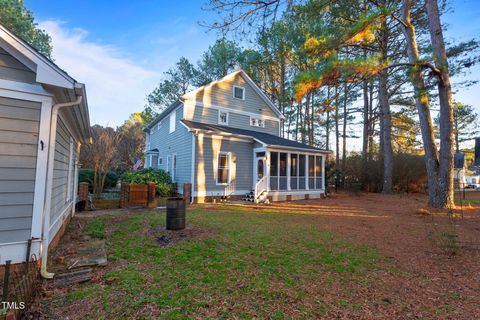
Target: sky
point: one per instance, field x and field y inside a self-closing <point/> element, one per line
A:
<point x="120" y="49"/>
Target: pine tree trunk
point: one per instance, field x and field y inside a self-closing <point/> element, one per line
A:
<point x="457" y="143"/>
<point x="385" y="120"/>
<point x="306" y="120"/>
<point x="344" y="134"/>
<point x="371" y="122"/>
<point x="327" y="129"/>
<point x="423" y="107"/>
<point x="365" y="135"/>
<point x="445" y="178"/>
<point x="312" y="122"/>
<point x="337" y="140"/>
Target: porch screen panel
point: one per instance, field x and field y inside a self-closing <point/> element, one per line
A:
<point x="301" y="171"/>
<point x="283" y="171"/>
<point x="273" y="170"/>
<point x="318" y="172"/>
<point x="311" y="172"/>
<point x="294" y="171"/>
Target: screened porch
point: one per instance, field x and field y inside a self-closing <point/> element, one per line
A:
<point x="290" y="171"/>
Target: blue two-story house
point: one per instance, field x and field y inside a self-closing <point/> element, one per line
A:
<point x="224" y="139"/>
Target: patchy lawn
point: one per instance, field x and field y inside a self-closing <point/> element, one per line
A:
<point x="348" y="257"/>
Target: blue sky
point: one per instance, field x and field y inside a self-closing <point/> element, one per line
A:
<point x="120" y="48"/>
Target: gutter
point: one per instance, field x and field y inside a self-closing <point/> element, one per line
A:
<point x="48" y="192"/>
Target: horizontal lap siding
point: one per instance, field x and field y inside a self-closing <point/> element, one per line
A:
<point x="206" y="153"/>
<point x="59" y="202"/>
<point x="179" y="142"/>
<point x="19" y="124"/>
<point x="221" y="94"/>
<point x="12" y="69"/>
<point x="235" y="120"/>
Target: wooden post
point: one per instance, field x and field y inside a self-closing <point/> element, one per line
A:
<point x="83" y="191"/>
<point x="187" y="193"/>
<point x="124" y="191"/>
<point x="151" y="200"/>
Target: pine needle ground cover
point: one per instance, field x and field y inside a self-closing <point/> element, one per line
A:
<point x="278" y="262"/>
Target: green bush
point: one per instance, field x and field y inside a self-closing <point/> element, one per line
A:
<point x="143" y="176"/>
<point x="86" y="175"/>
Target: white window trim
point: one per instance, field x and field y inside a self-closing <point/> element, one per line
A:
<point x="173" y="120"/>
<point x="174" y="162"/>
<point x="243" y="90"/>
<point x="160" y="161"/>
<point x="228" y="116"/>
<point x="229" y="176"/>
<point x="159" y="125"/>
<point x="169" y="157"/>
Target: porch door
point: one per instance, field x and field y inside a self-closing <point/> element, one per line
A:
<point x="260" y="168"/>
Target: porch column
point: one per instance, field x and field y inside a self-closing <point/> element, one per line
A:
<point x="323" y="172"/>
<point x="267" y="165"/>
<point x="306" y="172"/>
<point x="288" y="171"/>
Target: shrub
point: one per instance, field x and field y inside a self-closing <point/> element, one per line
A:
<point x="143" y="176"/>
<point x="86" y="175"/>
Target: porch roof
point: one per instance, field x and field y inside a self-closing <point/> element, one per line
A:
<point x="265" y="138"/>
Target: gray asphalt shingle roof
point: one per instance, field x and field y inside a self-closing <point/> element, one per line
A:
<point x="266" y="138"/>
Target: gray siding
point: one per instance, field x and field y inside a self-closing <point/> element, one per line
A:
<point x="19" y="124"/>
<point x="220" y="94"/>
<point x="235" y="120"/>
<point x="206" y="151"/>
<point x="60" y="199"/>
<point x="12" y="69"/>
<point x="178" y="142"/>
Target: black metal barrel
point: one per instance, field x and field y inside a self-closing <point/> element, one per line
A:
<point x="175" y="213"/>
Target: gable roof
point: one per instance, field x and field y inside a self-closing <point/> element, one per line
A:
<point x="163" y="114"/>
<point x="249" y="80"/>
<point x="48" y="73"/>
<point x="264" y="138"/>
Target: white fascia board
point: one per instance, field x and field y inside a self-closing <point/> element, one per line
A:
<point x="32" y="92"/>
<point x="261" y="94"/>
<point x="47" y="72"/>
<point x="280" y="148"/>
<point x="186" y="127"/>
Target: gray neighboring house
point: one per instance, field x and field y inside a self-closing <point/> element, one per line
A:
<point x="43" y="122"/>
<point x="224" y="139"/>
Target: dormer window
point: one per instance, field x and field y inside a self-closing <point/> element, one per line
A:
<point x="223" y="117"/>
<point x="239" y="92"/>
<point x="257" y="122"/>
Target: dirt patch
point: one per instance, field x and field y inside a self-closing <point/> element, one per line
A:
<point x="166" y="237"/>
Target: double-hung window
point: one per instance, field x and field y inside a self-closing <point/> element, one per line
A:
<point x="257" y="122"/>
<point x="223" y="168"/>
<point x="223" y="117"/>
<point x="239" y="92"/>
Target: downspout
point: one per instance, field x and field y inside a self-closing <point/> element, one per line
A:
<point x="48" y="193"/>
<point x="194" y="138"/>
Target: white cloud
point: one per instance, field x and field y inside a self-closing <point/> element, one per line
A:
<point x="116" y="86"/>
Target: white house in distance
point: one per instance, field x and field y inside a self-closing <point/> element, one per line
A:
<point x="224" y="139"/>
<point x="43" y="122"/>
